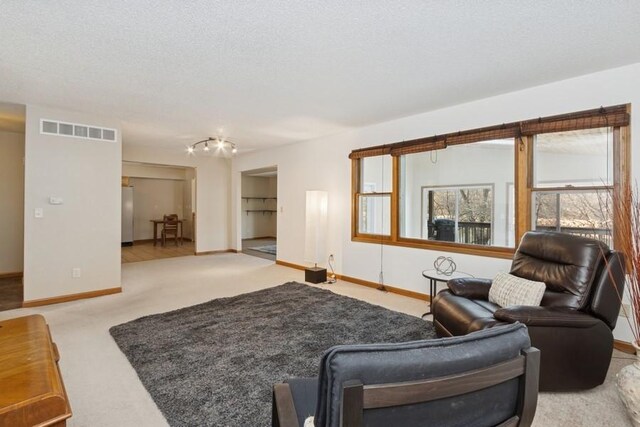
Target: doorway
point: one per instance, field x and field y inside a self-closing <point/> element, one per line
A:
<point x="259" y="212"/>
<point x="12" y="152"/>
<point x="151" y="193"/>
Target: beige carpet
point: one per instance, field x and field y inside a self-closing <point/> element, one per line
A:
<point x="105" y="391"/>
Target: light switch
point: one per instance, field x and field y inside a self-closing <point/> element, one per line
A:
<point x="38" y="213"/>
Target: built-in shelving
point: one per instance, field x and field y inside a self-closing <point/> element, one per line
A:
<point x="263" y="207"/>
<point x="270" y="211"/>
<point x="259" y="198"/>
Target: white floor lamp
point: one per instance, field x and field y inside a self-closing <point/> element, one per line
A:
<point x="315" y="238"/>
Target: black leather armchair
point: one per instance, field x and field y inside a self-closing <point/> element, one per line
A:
<point x="489" y="377"/>
<point x="572" y="327"/>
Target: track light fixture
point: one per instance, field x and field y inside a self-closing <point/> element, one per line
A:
<point x="222" y="146"/>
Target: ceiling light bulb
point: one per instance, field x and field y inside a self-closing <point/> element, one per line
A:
<point x="206" y="146"/>
<point x="190" y="150"/>
<point x="234" y="150"/>
<point x="220" y="143"/>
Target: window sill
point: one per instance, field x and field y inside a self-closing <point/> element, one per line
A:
<point x="486" y="251"/>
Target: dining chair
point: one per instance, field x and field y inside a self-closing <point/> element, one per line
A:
<point x="170" y="228"/>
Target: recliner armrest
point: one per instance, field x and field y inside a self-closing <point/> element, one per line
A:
<point x="470" y="287"/>
<point x="546" y="316"/>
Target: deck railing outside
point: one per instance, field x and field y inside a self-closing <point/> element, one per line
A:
<point x="479" y="233"/>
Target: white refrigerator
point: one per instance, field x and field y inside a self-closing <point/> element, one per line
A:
<point x="127" y="216"/>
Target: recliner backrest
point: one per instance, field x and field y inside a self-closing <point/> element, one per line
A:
<point x="608" y="289"/>
<point x="419" y="360"/>
<point x="567" y="264"/>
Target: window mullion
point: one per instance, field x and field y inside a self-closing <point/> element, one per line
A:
<point x="457" y="215"/>
<point x="523" y="183"/>
<point x="355" y="200"/>
<point x="395" y="198"/>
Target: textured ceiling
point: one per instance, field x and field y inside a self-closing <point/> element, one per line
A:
<point x="274" y="71"/>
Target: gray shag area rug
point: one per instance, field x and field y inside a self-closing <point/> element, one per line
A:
<point x="214" y="364"/>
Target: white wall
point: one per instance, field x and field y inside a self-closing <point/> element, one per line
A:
<point x="212" y="190"/>
<point x="258" y="224"/>
<point x="12" y="205"/>
<point x="189" y="207"/>
<point x="152" y="199"/>
<point x="323" y="164"/>
<point x="84" y="231"/>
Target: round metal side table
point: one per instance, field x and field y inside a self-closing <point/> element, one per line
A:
<point x="435" y="277"/>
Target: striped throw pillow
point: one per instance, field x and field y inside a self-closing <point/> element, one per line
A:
<point x="508" y="290"/>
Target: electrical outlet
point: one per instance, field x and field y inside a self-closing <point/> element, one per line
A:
<point x="76" y="273"/>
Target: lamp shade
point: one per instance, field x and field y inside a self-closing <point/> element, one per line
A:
<point x="315" y="238"/>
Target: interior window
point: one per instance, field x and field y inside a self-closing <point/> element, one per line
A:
<point x="461" y="214"/>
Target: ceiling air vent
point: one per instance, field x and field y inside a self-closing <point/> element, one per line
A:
<point x="75" y="130"/>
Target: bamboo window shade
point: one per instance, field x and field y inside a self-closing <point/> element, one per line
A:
<point x="601" y="117"/>
<point x="370" y="152"/>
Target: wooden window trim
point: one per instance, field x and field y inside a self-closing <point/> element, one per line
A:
<point x="617" y="117"/>
<point x="385" y="194"/>
<point x="522" y="185"/>
<point x="572" y="189"/>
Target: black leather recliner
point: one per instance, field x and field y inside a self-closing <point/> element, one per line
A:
<point x="573" y="325"/>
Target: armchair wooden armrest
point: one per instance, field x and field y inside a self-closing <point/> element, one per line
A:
<point x="284" y="411"/>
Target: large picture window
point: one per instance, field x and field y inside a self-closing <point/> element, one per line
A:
<point x="458" y="194"/>
<point x="479" y="191"/>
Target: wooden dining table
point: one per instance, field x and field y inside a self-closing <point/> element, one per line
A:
<point x="161" y="221"/>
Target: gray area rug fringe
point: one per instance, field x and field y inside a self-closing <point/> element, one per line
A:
<point x="213" y="364"/>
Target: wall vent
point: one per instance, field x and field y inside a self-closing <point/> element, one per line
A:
<point x="75" y="130"/>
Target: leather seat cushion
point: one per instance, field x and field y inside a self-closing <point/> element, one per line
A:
<point x="461" y="316"/>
